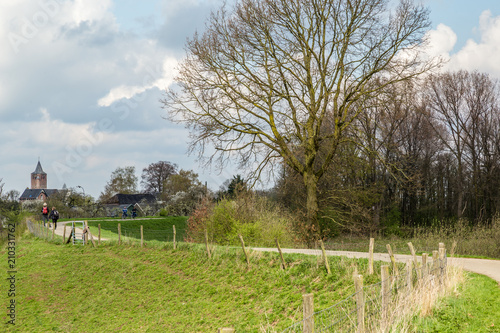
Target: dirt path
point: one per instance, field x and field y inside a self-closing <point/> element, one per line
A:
<point x="60" y="230"/>
<point x="490" y="268"/>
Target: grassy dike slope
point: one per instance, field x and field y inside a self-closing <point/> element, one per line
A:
<point x="65" y="288"/>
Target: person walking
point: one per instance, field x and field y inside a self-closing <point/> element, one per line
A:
<point x="45" y="214"/>
<point x="124" y="212"/>
<point x="54" y="215"/>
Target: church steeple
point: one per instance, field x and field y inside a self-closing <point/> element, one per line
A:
<point x="38" y="177"/>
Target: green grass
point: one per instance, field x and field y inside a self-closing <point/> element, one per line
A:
<point x="475" y="308"/>
<point x="474" y="249"/>
<point x="66" y="288"/>
<point x="107" y="218"/>
<point x="156" y="230"/>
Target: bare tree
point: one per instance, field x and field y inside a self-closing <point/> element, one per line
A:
<point x="123" y="180"/>
<point x="266" y="80"/>
<point x="466" y="104"/>
<point x="155" y="175"/>
<point x="12" y="195"/>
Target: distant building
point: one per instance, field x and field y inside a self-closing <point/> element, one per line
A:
<point x="130" y="199"/>
<point x="118" y="202"/>
<point x="38" y="190"/>
<point x="38" y="178"/>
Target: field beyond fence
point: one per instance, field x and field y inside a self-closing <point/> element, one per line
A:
<point x="370" y="307"/>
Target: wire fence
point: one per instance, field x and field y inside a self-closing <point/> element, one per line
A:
<point x="39" y="230"/>
<point x="369" y="309"/>
<point x="134" y="234"/>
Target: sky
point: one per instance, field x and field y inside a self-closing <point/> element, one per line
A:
<point x="81" y="82"/>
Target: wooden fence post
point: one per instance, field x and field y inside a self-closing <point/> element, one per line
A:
<point x="395" y="269"/>
<point x="370" y="257"/>
<point x="415" y="261"/>
<point x="87" y="233"/>
<point x="360" y="303"/>
<point x="142" y="235"/>
<point x="175" y="246"/>
<point x="385" y="290"/>
<point x="244" y="250"/>
<point x="53" y="232"/>
<point x="409" y="275"/>
<point x="442" y="262"/>
<point x="70" y="235"/>
<point x="119" y="234"/>
<point x="91" y="237"/>
<point x="283" y="263"/>
<point x="99" y="238"/>
<point x="206" y="244"/>
<point x="325" y="259"/>
<point x="453" y="248"/>
<point x="425" y="270"/>
<point x="308" y="313"/>
<point x="435" y="262"/>
<point x="64" y="232"/>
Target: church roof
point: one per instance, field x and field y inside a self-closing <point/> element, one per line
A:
<point x="38" y="169"/>
<point x="33" y="193"/>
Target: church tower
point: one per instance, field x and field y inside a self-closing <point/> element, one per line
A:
<point x="38" y="178"/>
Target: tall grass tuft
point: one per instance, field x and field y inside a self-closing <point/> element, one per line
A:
<point x="471" y="240"/>
<point x="257" y="219"/>
<point x="420" y="301"/>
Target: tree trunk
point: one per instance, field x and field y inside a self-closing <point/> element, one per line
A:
<point x="460" y="193"/>
<point x="311" y="183"/>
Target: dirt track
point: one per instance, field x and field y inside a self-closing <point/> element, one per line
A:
<point x="490" y="268"/>
<point x="60" y="230"/>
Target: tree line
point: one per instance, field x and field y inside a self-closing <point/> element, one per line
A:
<point x="177" y="191"/>
<point x="427" y="152"/>
<point x="337" y="97"/>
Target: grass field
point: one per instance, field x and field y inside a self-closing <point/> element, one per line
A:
<point x="154" y="229"/>
<point x="66" y="288"/>
<point x="477" y="242"/>
<point x="474" y="308"/>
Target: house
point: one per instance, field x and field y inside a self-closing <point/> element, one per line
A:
<point x="38" y="190"/>
<point x="116" y="203"/>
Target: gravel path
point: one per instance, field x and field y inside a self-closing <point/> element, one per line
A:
<point x="60" y="230"/>
<point x="490" y="268"/>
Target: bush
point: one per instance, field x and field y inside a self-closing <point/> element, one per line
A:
<point x="163" y="212"/>
<point x="257" y="219"/>
<point x="197" y="222"/>
<point x="390" y="222"/>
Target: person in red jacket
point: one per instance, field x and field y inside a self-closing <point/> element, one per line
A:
<point x="45" y="214"/>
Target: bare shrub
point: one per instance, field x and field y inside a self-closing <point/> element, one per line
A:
<point x="257" y="219"/>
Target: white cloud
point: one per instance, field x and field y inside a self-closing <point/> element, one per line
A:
<point x="441" y="41"/>
<point x="62" y="64"/>
<point x="27" y="22"/>
<point x="151" y="79"/>
<point x="482" y="55"/>
<point x="86" y="10"/>
<point x="48" y="132"/>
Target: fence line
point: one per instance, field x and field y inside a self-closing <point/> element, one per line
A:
<point x="343" y="316"/>
<point x="348" y="315"/>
